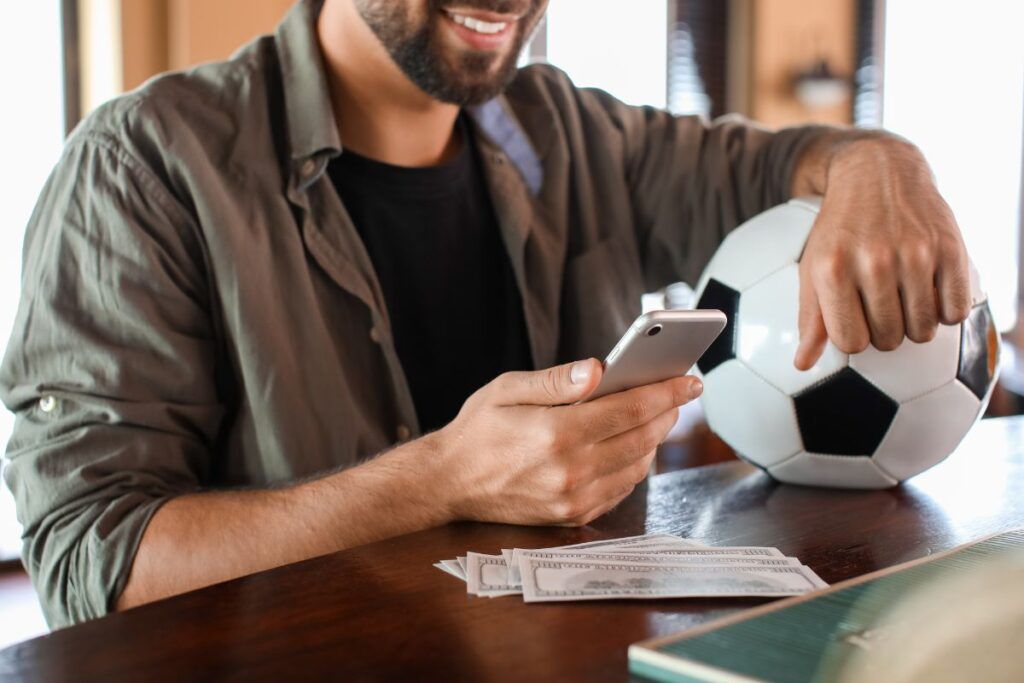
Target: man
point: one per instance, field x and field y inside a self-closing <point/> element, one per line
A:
<point x="359" y="237"/>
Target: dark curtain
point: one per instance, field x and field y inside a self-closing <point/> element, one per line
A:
<point x="867" y="80"/>
<point x="698" y="35"/>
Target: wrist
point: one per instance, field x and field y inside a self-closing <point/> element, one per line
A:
<point x="840" y="150"/>
<point x="441" y="469"/>
<point x="877" y="156"/>
<point x="436" y="477"/>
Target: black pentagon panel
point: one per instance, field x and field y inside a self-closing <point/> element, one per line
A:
<point x="727" y="300"/>
<point x="844" y="415"/>
<point x="979" y="350"/>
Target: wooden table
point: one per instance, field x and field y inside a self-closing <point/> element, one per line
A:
<point x="383" y="612"/>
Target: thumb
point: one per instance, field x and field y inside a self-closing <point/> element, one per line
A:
<point x="555" y="386"/>
<point x="813" y="335"/>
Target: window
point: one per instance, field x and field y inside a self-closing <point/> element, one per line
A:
<point x="31" y="135"/>
<point x="599" y="46"/>
<point x="954" y="85"/>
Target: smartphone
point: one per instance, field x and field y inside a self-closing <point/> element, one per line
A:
<point x="658" y="346"/>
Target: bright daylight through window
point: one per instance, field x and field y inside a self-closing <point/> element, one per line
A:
<point x="954" y="84"/>
<point x="31" y="134"/>
<point x="631" y="66"/>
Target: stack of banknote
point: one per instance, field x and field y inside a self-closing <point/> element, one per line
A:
<point x="649" y="566"/>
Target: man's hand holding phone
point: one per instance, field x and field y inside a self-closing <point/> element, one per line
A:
<point x="525" y="450"/>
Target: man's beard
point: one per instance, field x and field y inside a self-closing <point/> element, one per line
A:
<point x="418" y="52"/>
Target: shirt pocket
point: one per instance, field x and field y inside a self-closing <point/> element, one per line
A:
<point x="600" y="298"/>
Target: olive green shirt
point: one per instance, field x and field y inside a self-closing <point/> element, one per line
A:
<point x="198" y="311"/>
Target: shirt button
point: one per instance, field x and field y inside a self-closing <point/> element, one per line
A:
<point x="403" y="433"/>
<point x="47" y="404"/>
<point x="375" y="334"/>
<point x="308" y="168"/>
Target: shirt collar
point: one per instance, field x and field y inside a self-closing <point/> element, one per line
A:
<point x="312" y="131"/>
<point x="309" y="116"/>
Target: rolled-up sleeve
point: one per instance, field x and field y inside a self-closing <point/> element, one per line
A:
<point x="692" y="181"/>
<point x="109" y="371"/>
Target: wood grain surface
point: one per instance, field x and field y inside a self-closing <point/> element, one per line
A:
<point x="382" y="612"/>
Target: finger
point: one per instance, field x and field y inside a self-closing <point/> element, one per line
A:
<point x="843" y="314"/>
<point x="624" y="450"/>
<point x="953" y="281"/>
<point x="620" y="412"/>
<point x="883" y="307"/>
<point x="559" y="385"/>
<point x="917" y="291"/>
<point x="811" y="325"/>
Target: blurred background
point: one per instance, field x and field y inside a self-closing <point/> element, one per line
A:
<point x="948" y="75"/>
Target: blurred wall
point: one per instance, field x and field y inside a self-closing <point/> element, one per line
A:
<point x="771" y="41"/>
<point x="161" y="35"/>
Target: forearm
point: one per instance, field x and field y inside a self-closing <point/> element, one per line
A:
<point x="201" y="539"/>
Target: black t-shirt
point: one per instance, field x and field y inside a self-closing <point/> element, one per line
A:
<point x="433" y="238"/>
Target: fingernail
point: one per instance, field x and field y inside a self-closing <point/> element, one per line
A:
<point x="696" y="388"/>
<point x="579" y="373"/>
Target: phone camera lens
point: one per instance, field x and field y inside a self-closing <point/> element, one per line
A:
<point x="655" y="329"/>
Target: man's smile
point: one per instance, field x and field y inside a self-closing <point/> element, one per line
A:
<point x="479" y="30"/>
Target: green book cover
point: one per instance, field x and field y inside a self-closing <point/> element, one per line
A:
<point x="873" y="625"/>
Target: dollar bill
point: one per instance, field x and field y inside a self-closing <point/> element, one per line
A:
<point x="454" y="568"/>
<point x="645" y="542"/>
<point x="487" y="576"/>
<point x="657" y="554"/>
<point x="550" y="580"/>
<point x="671" y="558"/>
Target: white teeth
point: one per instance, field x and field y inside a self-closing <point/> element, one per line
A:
<point x="477" y="25"/>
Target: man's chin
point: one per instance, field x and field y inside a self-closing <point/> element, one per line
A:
<point x="478" y="77"/>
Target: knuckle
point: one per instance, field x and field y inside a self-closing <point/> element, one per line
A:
<point x="852" y="343"/>
<point x="569" y="480"/>
<point x="560" y="510"/>
<point x="549" y="383"/>
<point x="922" y="333"/>
<point x="956" y="309"/>
<point x="952" y="246"/>
<point x="917" y="256"/>
<point x="551" y="439"/>
<point x="878" y="261"/>
<point x="640" y="470"/>
<point x="830" y="269"/>
<point x="500" y="385"/>
<point x="637" y="411"/>
<point x="569" y="509"/>
<point x="962" y="309"/>
<point x="585" y="518"/>
<point x="887" y="343"/>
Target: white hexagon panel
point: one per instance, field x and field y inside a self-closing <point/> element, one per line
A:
<point x="762" y="426"/>
<point x="761" y="246"/>
<point x="927" y="429"/>
<point x="912" y="369"/>
<point x="767" y="335"/>
<point x="813" y="469"/>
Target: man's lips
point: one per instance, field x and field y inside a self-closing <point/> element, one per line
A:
<point x="481" y="30"/>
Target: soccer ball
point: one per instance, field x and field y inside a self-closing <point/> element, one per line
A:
<point x="868" y="420"/>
